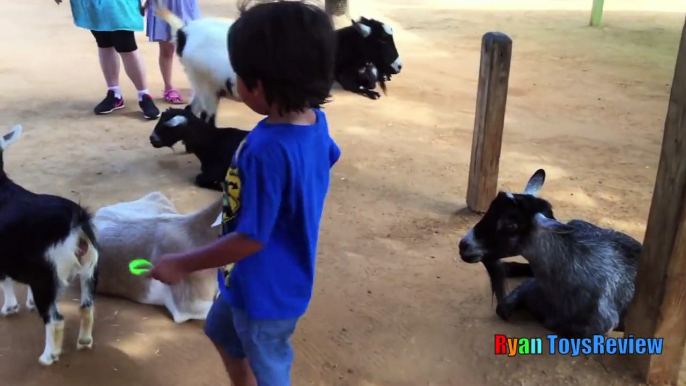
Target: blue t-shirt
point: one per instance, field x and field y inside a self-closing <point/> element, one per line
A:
<point x="274" y="194"/>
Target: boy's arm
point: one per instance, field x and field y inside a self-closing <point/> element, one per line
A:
<point x="226" y="250"/>
<point x="334" y="152"/>
<point x="263" y="179"/>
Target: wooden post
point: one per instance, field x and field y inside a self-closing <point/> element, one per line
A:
<point x="491" y="98"/>
<point x="597" y="12"/>
<point x="658" y="309"/>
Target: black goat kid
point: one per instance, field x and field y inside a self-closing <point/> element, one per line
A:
<point x="213" y="146"/>
<point x="45" y="241"/>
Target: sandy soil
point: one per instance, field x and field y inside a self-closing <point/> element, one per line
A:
<point x="393" y="304"/>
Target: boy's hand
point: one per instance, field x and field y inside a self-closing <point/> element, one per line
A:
<point x="168" y="270"/>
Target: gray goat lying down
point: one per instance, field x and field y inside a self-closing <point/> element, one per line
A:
<point x="148" y="228"/>
<point x="583" y="275"/>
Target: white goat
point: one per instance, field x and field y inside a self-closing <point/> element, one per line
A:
<point x="148" y="228"/>
<point x="202" y="48"/>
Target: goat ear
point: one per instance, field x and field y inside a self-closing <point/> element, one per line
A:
<point x="388" y="29"/>
<point x="535" y="183"/>
<point x="547" y="224"/>
<point x="363" y="29"/>
<point x="9" y="138"/>
<point x="178" y="120"/>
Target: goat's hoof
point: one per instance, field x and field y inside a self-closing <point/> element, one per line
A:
<point x="179" y="319"/>
<point x="47" y="359"/>
<point x="10" y="309"/>
<point x="373" y="95"/>
<point x="84" y="343"/>
<point x="504" y="312"/>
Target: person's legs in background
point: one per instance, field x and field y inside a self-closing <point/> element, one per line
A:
<point x="125" y="44"/>
<point x="111" y="46"/>
<point x="166" y="61"/>
<point x="109" y="63"/>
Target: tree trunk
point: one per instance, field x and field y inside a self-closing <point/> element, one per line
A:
<point x="336" y="7"/>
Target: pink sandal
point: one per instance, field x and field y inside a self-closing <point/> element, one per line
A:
<point x="173" y="96"/>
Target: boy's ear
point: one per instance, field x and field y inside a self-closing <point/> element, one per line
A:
<point x="259" y="88"/>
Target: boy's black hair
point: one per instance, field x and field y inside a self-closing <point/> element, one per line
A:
<point x="289" y="46"/>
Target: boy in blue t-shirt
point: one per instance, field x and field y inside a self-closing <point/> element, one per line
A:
<point x="283" y="54"/>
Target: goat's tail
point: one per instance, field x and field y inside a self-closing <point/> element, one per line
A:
<point x="88" y="242"/>
<point x="174" y="21"/>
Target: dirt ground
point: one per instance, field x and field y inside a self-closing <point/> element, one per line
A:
<point x="393" y="302"/>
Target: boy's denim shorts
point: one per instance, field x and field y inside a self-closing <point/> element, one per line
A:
<point x="265" y="342"/>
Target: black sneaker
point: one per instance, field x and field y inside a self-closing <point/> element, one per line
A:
<point x="150" y="111"/>
<point x="109" y="104"/>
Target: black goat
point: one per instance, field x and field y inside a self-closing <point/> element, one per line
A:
<point x="365" y="41"/>
<point x="364" y="80"/>
<point x="583" y="275"/>
<point x="45" y="240"/>
<point x="213" y="146"/>
<point x="499" y="272"/>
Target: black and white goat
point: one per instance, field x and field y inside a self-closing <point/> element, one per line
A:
<point x="365" y="41"/>
<point x="45" y="240"/>
<point x="584" y="275"/>
<point x="213" y="146"/>
<point x="202" y="48"/>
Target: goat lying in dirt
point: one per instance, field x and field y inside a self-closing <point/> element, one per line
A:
<point x="583" y="275"/>
<point x="148" y="228"/>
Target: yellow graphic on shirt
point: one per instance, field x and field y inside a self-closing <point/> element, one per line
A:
<point x="226" y="271"/>
<point x="231" y="202"/>
<point x="232" y="195"/>
<point x="232" y="189"/>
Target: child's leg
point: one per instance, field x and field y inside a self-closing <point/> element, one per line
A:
<point x="238" y="369"/>
<point x="125" y="44"/>
<point x="220" y="329"/>
<point x="267" y="345"/>
<point x="109" y="63"/>
<point x="109" y="59"/>
<point x="166" y="61"/>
